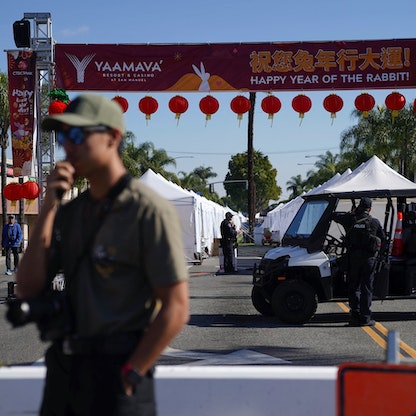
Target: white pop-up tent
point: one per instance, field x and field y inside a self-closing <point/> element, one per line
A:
<point x="186" y="205"/>
<point x="200" y="218"/>
<point x="374" y="178"/>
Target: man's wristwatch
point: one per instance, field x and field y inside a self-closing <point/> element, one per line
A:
<point x="131" y="375"/>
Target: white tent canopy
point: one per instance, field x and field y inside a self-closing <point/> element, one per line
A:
<point x="200" y="218"/>
<point x="373" y="177"/>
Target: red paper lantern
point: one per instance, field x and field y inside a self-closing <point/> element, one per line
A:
<point x="30" y="190"/>
<point x="209" y="105"/>
<point x="57" y="107"/>
<point x="124" y="104"/>
<point x="271" y="105"/>
<point x="148" y="105"/>
<point x="395" y="102"/>
<point x="178" y="105"/>
<point x="333" y="103"/>
<point x="301" y="104"/>
<point x="364" y="103"/>
<point x="240" y="105"/>
<point x="13" y="191"/>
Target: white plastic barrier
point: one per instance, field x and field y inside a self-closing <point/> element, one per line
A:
<point x="204" y="391"/>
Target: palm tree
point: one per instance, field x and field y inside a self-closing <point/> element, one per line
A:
<point x="297" y="185"/>
<point x="394" y="142"/>
<point x="197" y="181"/>
<point x="145" y="156"/>
<point x="327" y="166"/>
<point x="4" y="137"/>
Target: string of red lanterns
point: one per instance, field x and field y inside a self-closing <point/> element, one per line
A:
<point x="271" y="105"/>
<point x="14" y="191"/>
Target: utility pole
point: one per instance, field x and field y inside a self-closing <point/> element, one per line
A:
<point x="251" y="197"/>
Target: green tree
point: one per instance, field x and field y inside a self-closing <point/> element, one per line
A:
<point x="4" y="137"/>
<point x="264" y="181"/>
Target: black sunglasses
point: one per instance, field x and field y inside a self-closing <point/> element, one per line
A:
<point x="77" y="135"/>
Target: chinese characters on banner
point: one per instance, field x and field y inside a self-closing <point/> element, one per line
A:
<point x="21" y="72"/>
<point x="289" y="66"/>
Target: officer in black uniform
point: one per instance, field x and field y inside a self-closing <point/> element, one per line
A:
<point x="361" y="263"/>
<point x="228" y="238"/>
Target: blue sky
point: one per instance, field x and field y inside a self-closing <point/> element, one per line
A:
<point x="286" y="142"/>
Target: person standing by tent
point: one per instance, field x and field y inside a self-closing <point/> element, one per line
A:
<point x="11" y="240"/>
<point x="126" y="287"/>
<point x="228" y="238"/>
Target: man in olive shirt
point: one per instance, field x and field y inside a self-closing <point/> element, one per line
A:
<point x="119" y="247"/>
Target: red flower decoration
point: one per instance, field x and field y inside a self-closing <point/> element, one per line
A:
<point x="57" y="107"/>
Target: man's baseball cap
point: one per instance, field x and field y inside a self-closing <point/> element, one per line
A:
<point x="88" y="110"/>
<point x="11" y="216"/>
<point x="365" y="202"/>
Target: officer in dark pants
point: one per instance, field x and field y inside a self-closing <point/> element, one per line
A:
<point x="360" y="287"/>
<point x="361" y="265"/>
<point x="228" y="238"/>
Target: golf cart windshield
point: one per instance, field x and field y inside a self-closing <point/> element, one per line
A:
<point x="305" y="221"/>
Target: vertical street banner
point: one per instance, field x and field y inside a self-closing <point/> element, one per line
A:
<point x="22" y="84"/>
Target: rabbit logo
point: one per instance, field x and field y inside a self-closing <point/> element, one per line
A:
<point x="20" y="132"/>
<point x="204" y="86"/>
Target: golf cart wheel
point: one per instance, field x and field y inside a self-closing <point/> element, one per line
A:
<point x="294" y="302"/>
<point x="261" y="304"/>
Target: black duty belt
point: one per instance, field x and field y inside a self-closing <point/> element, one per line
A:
<point x="118" y="343"/>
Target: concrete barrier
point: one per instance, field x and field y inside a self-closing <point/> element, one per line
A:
<point x="204" y="391"/>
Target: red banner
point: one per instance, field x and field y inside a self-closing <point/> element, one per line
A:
<point x="294" y="66"/>
<point x="21" y="72"/>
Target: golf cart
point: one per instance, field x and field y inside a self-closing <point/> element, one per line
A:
<point x="309" y="266"/>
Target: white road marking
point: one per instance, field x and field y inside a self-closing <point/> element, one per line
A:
<point x="240" y="357"/>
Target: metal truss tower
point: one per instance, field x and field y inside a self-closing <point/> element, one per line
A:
<point x="41" y="42"/>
